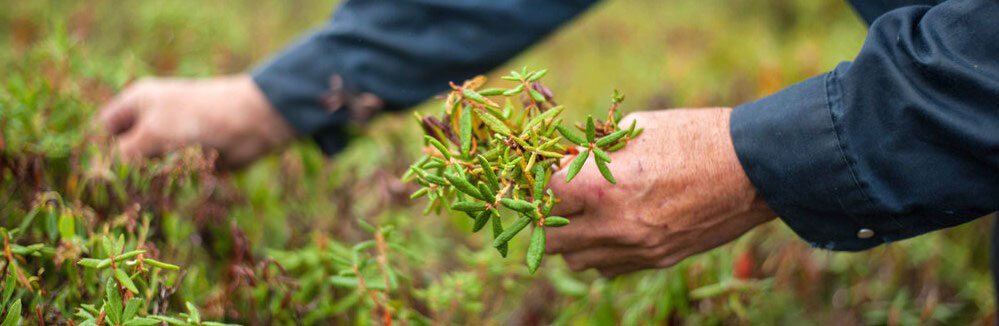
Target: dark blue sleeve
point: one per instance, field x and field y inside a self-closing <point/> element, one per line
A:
<point x="401" y="51"/>
<point x="902" y="141"/>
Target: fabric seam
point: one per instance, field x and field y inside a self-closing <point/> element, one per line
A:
<point x="830" y="92"/>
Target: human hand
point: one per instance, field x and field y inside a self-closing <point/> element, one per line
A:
<point x="680" y="191"/>
<point x="227" y="114"/>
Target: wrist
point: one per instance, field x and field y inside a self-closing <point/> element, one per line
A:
<point x="273" y="130"/>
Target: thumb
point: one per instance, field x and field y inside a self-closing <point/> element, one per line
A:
<point x="573" y="196"/>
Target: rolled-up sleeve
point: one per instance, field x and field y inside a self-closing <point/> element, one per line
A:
<point x="401" y="51"/>
<point x="902" y="141"/>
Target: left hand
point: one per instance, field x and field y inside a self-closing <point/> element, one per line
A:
<point x="680" y="191"/>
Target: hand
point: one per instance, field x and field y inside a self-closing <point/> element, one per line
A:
<point x="227" y="114"/>
<point x="680" y="191"/>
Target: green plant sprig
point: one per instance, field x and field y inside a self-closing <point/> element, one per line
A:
<point x="504" y="156"/>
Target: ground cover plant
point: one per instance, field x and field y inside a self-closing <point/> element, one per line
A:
<point x="302" y="240"/>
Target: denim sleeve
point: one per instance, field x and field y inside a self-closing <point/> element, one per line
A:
<point x="902" y="141"/>
<point x="401" y="51"/>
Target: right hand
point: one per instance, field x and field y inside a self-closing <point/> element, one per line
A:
<point x="226" y="114"/>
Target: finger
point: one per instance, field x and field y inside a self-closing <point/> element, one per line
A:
<point x="575" y="196"/>
<point x="120" y="115"/>
<point x="139" y="143"/>
<point x="653" y="263"/>
<point x="585" y="232"/>
<point x="607" y="257"/>
<point x="614" y="271"/>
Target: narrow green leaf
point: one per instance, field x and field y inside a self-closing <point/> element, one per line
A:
<point x="144" y="321"/>
<point x="343" y="281"/>
<point x="468" y="206"/>
<point x="481" y="219"/>
<point x="549" y="154"/>
<point x="539" y="181"/>
<point x="515" y="90"/>
<point x="464" y="186"/>
<point x="616" y="147"/>
<point x="419" y="193"/>
<point x="487" y="192"/>
<point x="577" y="165"/>
<point x="13" y="314"/>
<point x="67" y="226"/>
<point x="108" y="245"/>
<point x="556" y="221"/>
<point x="538" y="119"/>
<point x="432" y="178"/>
<point x="26" y="250"/>
<point x="465" y="132"/>
<point x="8" y="288"/>
<point x="156" y="263"/>
<point x="591" y="129"/>
<point x="192" y="312"/>
<point x="112" y="303"/>
<point x="440" y="147"/>
<point x="169" y="320"/>
<point x="497" y="231"/>
<point x="572" y="136"/>
<point x="128" y="255"/>
<point x="537" y="96"/>
<point x="472" y="95"/>
<point x="601" y="155"/>
<point x="125" y="280"/>
<point x="610" y="139"/>
<point x="131" y="308"/>
<point x="517" y="205"/>
<point x="487" y="171"/>
<point x="493" y="123"/>
<point x="93" y="263"/>
<point x="491" y="91"/>
<point x="605" y="171"/>
<point x="536" y="249"/>
<point x="636" y="132"/>
<point x="537" y="75"/>
<point x="508" y="234"/>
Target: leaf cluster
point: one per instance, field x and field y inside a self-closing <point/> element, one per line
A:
<point x="483" y="157"/>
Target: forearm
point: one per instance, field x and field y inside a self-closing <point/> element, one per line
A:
<point x="402" y="52"/>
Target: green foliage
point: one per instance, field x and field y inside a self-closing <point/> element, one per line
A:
<point x="523" y="146"/>
<point x="278" y="244"/>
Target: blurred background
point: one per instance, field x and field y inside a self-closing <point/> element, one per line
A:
<point x="285" y="241"/>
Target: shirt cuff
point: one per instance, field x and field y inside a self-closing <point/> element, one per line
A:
<point x="295" y="83"/>
<point x="789" y="146"/>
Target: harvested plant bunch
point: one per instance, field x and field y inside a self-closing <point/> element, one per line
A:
<point x="483" y="156"/>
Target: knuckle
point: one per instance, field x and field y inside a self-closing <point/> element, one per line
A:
<point x="666" y="262"/>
